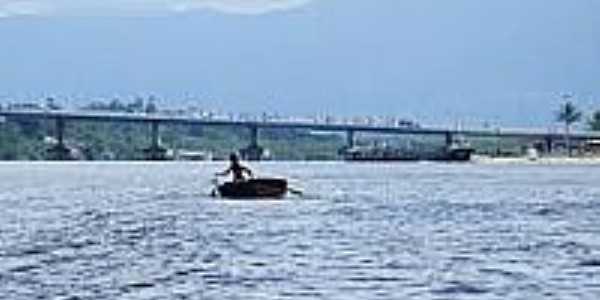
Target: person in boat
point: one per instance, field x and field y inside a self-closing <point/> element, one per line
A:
<point x="236" y="169"/>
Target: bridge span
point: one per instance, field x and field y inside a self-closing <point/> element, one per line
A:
<point x="155" y="151"/>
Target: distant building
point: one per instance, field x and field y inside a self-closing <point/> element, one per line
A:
<point x="407" y="123"/>
<point x="25" y="106"/>
<point x="51" y="104"/>
<point x="188" y="155"/>
<point x="73" y="151"/>
<point x="592" y="147"/>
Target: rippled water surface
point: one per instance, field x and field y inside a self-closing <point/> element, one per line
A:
<point x="362" y="231"/>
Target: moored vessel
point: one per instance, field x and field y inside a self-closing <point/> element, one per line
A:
<point x="454" y="152"/>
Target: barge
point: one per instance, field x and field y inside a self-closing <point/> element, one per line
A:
<point x="454" y="152"/>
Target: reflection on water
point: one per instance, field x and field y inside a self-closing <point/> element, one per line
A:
<point x="364" y="231"/>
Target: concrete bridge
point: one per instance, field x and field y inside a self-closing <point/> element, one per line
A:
<point x="254" y="151"/>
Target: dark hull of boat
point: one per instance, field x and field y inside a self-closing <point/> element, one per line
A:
<point x="458" y="155"/>
<point x="254" y="189"/>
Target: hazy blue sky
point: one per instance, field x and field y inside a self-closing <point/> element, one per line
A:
<point x="430" y="59"/>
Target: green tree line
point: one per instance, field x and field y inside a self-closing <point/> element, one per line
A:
<point x="30" y="140"/>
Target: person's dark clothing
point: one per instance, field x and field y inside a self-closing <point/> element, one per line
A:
<point x="237" y="171"/>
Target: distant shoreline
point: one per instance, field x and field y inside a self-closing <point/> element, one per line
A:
<point x="477" y="160"/>
<point x="538" y="161"/>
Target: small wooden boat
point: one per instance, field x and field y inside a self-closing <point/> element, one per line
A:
<point x="254" y="189"/>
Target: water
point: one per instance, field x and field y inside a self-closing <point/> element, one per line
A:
<point x="363" y="231"/>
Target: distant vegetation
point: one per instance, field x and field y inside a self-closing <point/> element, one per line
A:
<point x="594" y="121"/>
<point x="16" y="143"/>
<point x="569" y="114"/>
<point x="29" y="140"/>
<point x="101" y="141"/>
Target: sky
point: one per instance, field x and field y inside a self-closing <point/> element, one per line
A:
<point x="437" y="61"/>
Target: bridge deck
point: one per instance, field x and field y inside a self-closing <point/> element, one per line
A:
<point x="149" y="118"/>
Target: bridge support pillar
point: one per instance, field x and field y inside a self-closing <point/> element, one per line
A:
<point x="350" y="141"/>
<point x="59" y="151"/>
<point x="549" y="145"/>
<point x="449" y="139"/>
<point x="254" y="152"/>
<point x="156" y="151"/>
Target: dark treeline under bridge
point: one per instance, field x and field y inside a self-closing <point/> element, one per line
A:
<point x="254" y="150"/>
